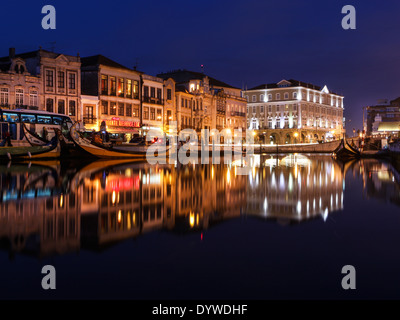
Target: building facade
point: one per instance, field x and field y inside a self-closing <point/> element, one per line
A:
<point x="152" y="103"/>
<point x="202" y="102"/>
<point x="41" y="80"/>
<point x="292" y="111"/>
<point x="383" y="119"/>
<point x="111" y="97"/>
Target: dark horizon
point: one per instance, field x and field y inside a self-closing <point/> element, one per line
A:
<point x="244" y="44"/>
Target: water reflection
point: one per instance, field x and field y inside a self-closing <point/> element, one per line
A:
<point x="53" y="209"/>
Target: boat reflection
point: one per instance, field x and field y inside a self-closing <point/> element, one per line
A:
<point x="53" y="209"/>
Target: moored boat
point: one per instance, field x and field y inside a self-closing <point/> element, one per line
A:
<point x="103" y="151"/>
<point x="345" y="151"/>
<point x="21" y="153"/>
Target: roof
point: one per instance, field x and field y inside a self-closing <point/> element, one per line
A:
<point x="293" y="83"/>
<point x="34" y="54"/>
<point x="389" y="126"/>
<point x="181" y="76"/>
<point x="99" y="59"/>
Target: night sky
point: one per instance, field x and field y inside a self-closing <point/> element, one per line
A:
<point x="243" y="43"/>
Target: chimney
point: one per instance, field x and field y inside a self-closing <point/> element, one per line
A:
<point x="11" y="53"/>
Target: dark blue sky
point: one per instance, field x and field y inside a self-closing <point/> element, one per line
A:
<point x="239" y="42"/>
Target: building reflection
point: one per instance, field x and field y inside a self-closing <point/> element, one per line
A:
<point x="381" y="180"/>
<point x="45" y="211"/>
<point x="293" y="188"/>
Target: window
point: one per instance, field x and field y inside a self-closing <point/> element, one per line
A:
<point x="254" y="98"/>
<point x="61" y="106"/>
<point x="169" y="114"/>
<point x="28" y="118"/>
<point x="72" y="108"/>
<point x="71" y="80"/>
<point x="128" y="110"/>
<point x="44" y="119"/>
<point x="120" y="87"/>
<point x="104" y="107"/>
<point x="129" y="88"/>
<point x="269" y="97"/>
<point x="113" y="86"/>
<point x="294" y="95"/>
<point x="269" y="108"/>
<point x="145" y="91"/>
<point x="146" y="113"/>
<point x="278" y="96"/>
<point x="262" y="108"/>
<point x="135" y="112"/>
<point x="135" y="89"/>
<point x="261" y="98"/>
<point x="159" y="114"/>
<point x="4" y="96"/>
<point x="295" y="107"/>
<point x="159" y="94"/>
<point x="169" y="94"/>
<point x="19" y="97"/>
<point x="11" y="117"/>
<point x="33" y="98"/>
<point x="113" y="108"/>
<point x="49" y="105"/>
<point x="152" y="114"/>
<point x="104" y="84"/>
<point x="152" y="92"/>
<point x="121" y="109"/>
<point x="254" y="109"/>
<point x="61" y="83"/>
<point x="286" y="95"/>
<point x="49" y="78"/>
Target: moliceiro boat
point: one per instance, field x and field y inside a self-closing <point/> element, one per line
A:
<point x="22" y="153"/>
<point x="108" y="151"/>
<point x="346" y="152"/>
<point x="327" y="147"/>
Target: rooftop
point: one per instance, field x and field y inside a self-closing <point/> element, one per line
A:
<point x="182" y="76"/>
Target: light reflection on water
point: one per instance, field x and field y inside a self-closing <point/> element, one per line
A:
<point x="50" y="208"/>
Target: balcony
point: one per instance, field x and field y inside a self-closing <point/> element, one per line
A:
<point x="237" y="114"/>
<point x="89" y="120"/>
<point x="153" y="100"/>
<point x="18" y="106"/>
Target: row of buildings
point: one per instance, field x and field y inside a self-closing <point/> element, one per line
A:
<point x="98" y="90"/>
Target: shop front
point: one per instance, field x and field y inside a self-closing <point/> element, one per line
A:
<point x="122" y="130"/>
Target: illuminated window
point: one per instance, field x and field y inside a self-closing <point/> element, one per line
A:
<point x="135" y="112"/>
<point x="152" y="114"/>
<point x="104" y="84"/>
<point x="121" y="87"/>
<point x="146" y="113"/>
<point x="113" y="86"/>
<point x="129" y="88"/>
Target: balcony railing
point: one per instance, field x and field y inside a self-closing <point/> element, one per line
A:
<point x="18" y="106"/>
<point x="153" y="100"/>
<point x="237" y="114"/>
<point x="89" y="120"/>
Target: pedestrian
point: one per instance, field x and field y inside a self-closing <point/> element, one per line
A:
<point x="8" y="139"/>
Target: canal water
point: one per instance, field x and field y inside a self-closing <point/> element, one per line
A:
<point x="281" y="228"/>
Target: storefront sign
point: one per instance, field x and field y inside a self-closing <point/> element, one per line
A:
<point x="122" y="123"/>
